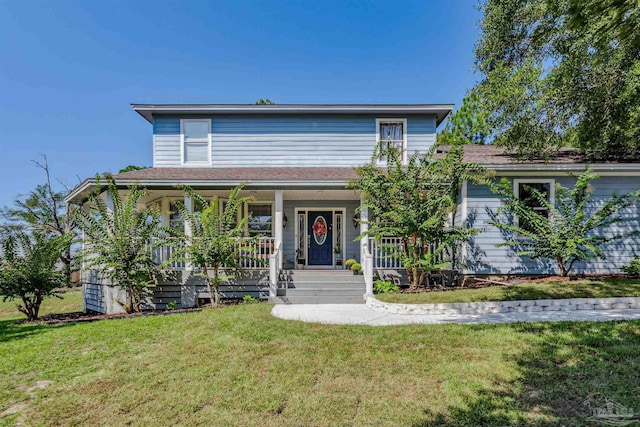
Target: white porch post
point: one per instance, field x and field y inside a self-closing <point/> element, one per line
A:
<point x="278" y="229"/>
<point x="187" y="291"/>
<point x="364" y="227"/>
<point x="366" y="260"/>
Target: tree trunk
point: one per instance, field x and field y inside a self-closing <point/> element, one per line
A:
<point x="30" y="307"/>
<point x="66" y="260"/>
<point x="216" y="285"/>
<point x="129" y="308"/>
<point x="563" y="270"/>
<point x="208" y="282"/>
<point x="415" y="279"/>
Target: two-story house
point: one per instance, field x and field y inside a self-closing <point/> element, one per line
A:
<point x="295" y="162"/>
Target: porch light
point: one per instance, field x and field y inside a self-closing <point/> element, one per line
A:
<point x="356" y="219"/>
<point x="284" y="221"/>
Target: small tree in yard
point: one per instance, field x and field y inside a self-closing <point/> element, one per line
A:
<point x="414" y="201"/>
<point x="28" y="269"/>
<point x="572" y="230"/>
<point x="43" y="210"/>
<point x="213" y="243"/>
<point x="120" y="241"/>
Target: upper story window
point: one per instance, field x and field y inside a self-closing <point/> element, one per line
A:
<point x="392" y="133"/>
<point x="196" y="146"/>
<point x="525" y="189"/>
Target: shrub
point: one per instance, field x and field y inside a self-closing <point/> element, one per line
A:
<point x="356" y="266"/>
<point x="571" y="232"/>
<point x="248" y="299"/>
<point x="348" y="263"/>
<point x="213" y="242"/>
<point x="633" y="267"/>
<point x="172" y="305"/>
<point x="384" y="287"/>
<point x="120" y="240"/>
<point x="413" y="199"/>
<point x="28" y="269"/>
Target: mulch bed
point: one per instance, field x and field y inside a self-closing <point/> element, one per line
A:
<point x="76" y="317"/>
<point x="472" y="282"/>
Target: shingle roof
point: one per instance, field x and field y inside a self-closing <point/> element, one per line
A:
<point x="241" y="174"/>
<point x="495" y="155"/>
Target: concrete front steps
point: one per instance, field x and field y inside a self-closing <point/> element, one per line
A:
<point x="321" y="287"/>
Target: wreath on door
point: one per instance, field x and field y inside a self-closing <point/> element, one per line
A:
<point x="319" y="227"/>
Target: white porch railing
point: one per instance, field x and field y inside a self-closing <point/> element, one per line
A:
<point x="251" y="254"/>
<point x="386" y="252"/>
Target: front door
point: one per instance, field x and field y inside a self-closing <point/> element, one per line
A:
<point x="320" y="237"/>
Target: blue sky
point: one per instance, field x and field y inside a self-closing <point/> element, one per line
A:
<point x="70" y="69"/>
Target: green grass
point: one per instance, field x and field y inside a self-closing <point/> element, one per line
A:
<point x="614" y="287"/>
<point x="240" y="366"/>
<point x="70" y="302"/>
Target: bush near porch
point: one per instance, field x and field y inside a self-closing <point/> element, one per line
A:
<point x="556" y="289"/>
<point x="239" y="365"/>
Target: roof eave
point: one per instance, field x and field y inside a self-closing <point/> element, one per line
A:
<point x="80" y="193"/>
<point x="441" y="111"/>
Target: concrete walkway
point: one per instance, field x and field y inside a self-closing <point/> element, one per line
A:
<point x="360" y="314"/>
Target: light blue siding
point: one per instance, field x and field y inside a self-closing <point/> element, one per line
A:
<point x="352" y="248"/>
<point x="166" y="142"/>
<point x="421" y="134"/>
<point x="249" y="140"/>
<point x="483" y="257"/>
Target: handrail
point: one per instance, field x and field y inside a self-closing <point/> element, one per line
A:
<point x="274" y="270"/>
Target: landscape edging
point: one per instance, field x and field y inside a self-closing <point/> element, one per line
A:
<point x="523" y="306"/>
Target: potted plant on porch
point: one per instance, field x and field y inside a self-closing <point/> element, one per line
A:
<point x="356" y="267"/>
<point x="348" y="263"/>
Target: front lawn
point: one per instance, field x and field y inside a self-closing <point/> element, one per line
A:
<point x="612" y="287"/>
<point x="240" y="366"/>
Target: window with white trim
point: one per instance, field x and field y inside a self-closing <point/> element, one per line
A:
<point x="392" y="133"/>
<point x="195" y="140"/>
<point x="259" y="219"/>
<point x="176" y="221"/>
<point x="525" y="190"/>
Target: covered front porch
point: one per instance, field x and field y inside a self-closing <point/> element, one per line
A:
<point x="297" y="220"/>
<point x="313" y="229"/>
